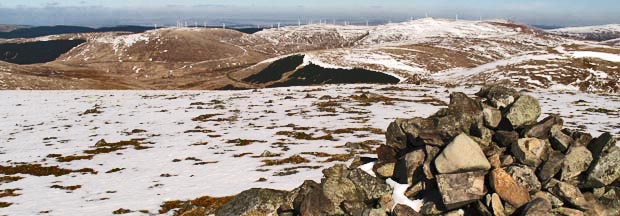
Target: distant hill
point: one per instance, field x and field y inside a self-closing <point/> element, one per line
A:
<point x="595" y="33"/>
<point x="12" y="32"/>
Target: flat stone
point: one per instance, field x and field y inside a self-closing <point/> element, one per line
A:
<point x="559" y="140"/>
<point x="577" y="161"/>
<point x="552" y="166"/>
<point x="606" y="170"/>
<point x="563" y="211"/>
<point x="542" y="129"/>
<point x="525" y="176"/>
<point x="460" y="189"/>
<point x="497" y="206"/>
<point x="524" y="111"/>
<point x="508" y="189"/>
<point x="258" y="201"/>
<point x="462" y="155"/>
<point x="384" y="170"/>
<point x="555" y="201"/>
<point x="409" y="165"/>
<point x="529" y="151"/>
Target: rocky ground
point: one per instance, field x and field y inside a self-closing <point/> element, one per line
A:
<point x="475" y="157"/>
<point x="151" y="152"/>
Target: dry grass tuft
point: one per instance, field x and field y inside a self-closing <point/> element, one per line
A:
<point x="295" y="159"/>
<point x="39" y="170"/>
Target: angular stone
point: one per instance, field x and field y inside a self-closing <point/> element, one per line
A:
<point x="508" y="189"/>
<point x="482" y="135"/>
<point x="409" y="165"/>
<point x="606" y="170"/>
<point x="368" y="187"/>
<point x="311" y="200"/>
<point x="492" y="116"/>
<point x="526" y="177"/>
<point x="386" y="154"/>
<point x="460" y="189"/>
<point x="581" y="139"/>
<point x="542" y="129"/>
<point x="507" y="160"/>
<point x="482" y="209"/>
<point x="506" y="138"/>
<point x="497" y="206"/>
<point x="420" y="129"/>
<point x="529" y="151"/>
<point x="524" y="111"/>
<point x="559" y="140"/>
<point x="537" y="207"/>
<point x="601" y="144"/>
<point x="571" y="194"/>
<point x="498" y="96"/>
<point x="552" y="166"/>
<point x="462" y="155"/>
<point x="256" y="200"/>
<point x="384" y="170"/>
<point x="555" y="201"/>
<point x="403" y="210"/>
<point x="577" y="161"/>
<point x="611" y="201"/>
<point x="395" y="136"/>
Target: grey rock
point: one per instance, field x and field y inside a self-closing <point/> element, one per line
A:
<point x="526" y="177"/>
<point x="537" y="207"/>
<point x="369" y="187"/>
<point x="256" y="200"/>
<point x="577" y="161"/>
<point x="482" y="135"/>
<point x="460" y="189"/>
<point x="524" y="111"/>
<point x="552" y="166"/>
<point x="507" y="160"/>
<point x="506" y="138"/>
<point x="606" y="170"/>
<point x="542" y="129"/>
<point x="601" y="144"/>
<point x="492" y="116"/>
<point x="386" y="154"/>
<point x="529" y="151"/>
<point x="384" y="170"/>
<point x="498" y="96"/>
<point x="559" y="140"/>
<point x="431" y="153"/>
<point x="395" y="136"/>
<point x="555" y="201"/>
<point x="410" y="165"/>
<point x="571" y="194"/>
<point x="581" y="139"/>
<point x="462" y="155"/>
<point x="611" y="201"/>
<point x="310" y="200"/>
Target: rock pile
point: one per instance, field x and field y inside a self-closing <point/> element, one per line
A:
<point x="485" y="156"/>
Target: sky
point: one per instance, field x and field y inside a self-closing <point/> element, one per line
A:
<point x="165" y="12"/>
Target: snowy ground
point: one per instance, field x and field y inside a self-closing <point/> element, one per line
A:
<point x="184" y="157"/>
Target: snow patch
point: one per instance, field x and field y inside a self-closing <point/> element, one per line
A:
<point x="399" y="197"/>
<point x="600" y="55"/>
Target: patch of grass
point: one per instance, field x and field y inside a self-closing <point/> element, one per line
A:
<point x="205" y="205"/>
<point x="242" y="154"/>
<point x="601" y="110"/>
<point x="132" y="132"/>
<point x="200" y="143"/>
<point x="353" y="130"/>
<point x="74" y="157"/>
<point x="115" y="170"/>
<point x="9" y="192"/>
<point x="9" y="179"/>
<point x="339" y="157"/>
<point x="317" y="154"/>
<point x="103" y="147"/>
<point x="121" y="211"/>
<point x="305" y="136"/>
<point x="295" y="159"/>
<point x="70" y="188"/>
<point x="244" y="142"/>
<point x="5" y="204"/>
<point x="205" y="163"/>
<point x="39" y="170"/>
<point x="94" y="110"/>
<point x="205" y="117"/>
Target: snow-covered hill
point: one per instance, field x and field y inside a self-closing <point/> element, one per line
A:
<point x="597" y="33"/>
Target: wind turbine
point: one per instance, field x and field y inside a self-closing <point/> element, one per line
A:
<point x="223" y="25"/>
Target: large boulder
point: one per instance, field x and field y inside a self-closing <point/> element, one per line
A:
<point x="460" y="189"/>
<point x="530" y="151"/>
<point x="508" y="189"/>
<point x="310" y="200"/>
<point x="395" y="137"/>
<point x="606" y="170"/>
<point x="256" y="201"/>
<point x="463" y="154"/>
<point x="524" y="111"/>
<point x="577" y="161"/>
